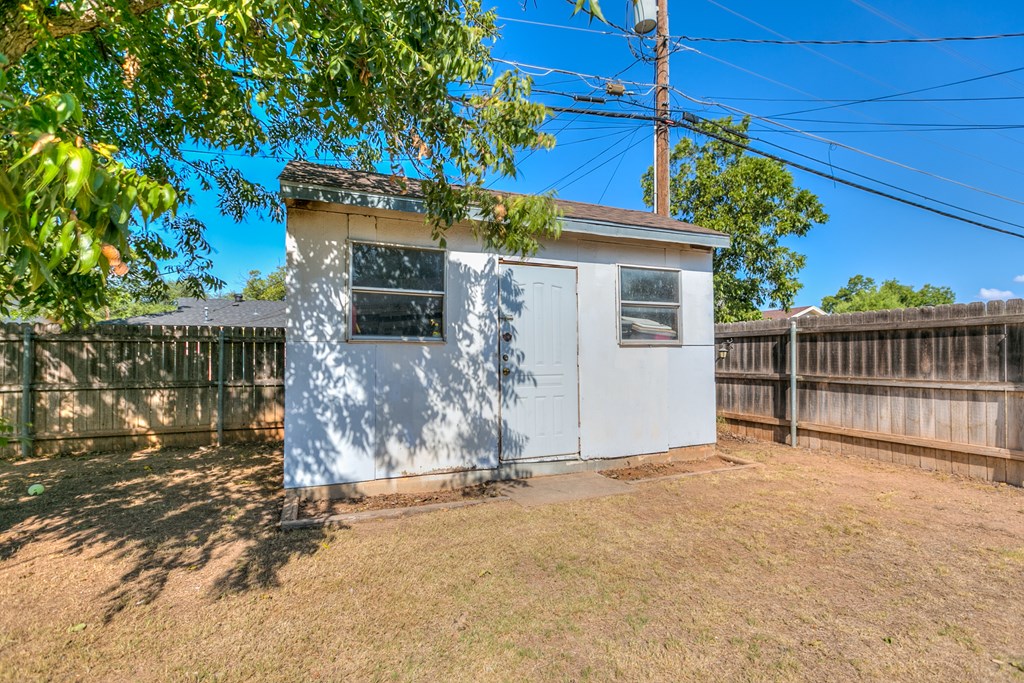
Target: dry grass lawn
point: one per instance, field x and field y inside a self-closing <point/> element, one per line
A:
<point x="167" y="566"/>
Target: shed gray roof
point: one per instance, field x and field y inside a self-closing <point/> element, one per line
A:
<point x="303" y="174"/>
<point x="217" y="313"/>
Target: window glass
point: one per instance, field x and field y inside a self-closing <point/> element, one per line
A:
<point x="641" y="284"/>
<point x="648" y="306"/>
<point x="397" y="315"/>
<point x="376" y="266"/>
<point x="397" y="292"/>
<point x="648" y="323"/>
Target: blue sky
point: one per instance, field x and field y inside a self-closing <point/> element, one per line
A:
<point x="601" y="160"/>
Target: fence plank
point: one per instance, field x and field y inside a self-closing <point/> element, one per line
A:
<point x="939" y="388"/>
<point x="116" y="386"/>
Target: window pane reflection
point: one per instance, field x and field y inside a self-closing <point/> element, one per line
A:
<point x="384" y="267"/>
<point x="397" y="315"/>
<point x="641" y="284"/>
<point x="649" y="323"/>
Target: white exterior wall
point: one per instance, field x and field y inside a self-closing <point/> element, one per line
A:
<point x="356" y="411"/>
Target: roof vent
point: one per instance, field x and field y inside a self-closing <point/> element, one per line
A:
<point x="238" y="298"/>
<point x="206" y="314"/>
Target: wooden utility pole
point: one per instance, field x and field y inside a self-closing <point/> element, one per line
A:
<point x="661" y="146"/>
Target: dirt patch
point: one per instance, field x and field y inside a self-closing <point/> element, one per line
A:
<point x="665" y="469"/>
<point x="311" y="509"/>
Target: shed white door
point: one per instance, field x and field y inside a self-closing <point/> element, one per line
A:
<point x="538" y="362"/>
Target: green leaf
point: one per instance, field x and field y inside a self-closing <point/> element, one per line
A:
<point x="66" y="107"/>
<point x="78" y="168"/>
<point x="8" y="198"/>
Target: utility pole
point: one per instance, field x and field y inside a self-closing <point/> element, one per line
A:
<point x="661" y="112"/>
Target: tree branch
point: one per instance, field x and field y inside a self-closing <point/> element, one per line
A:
<point x="18" y="34"/>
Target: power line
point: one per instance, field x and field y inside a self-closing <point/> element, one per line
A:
<point x="604" y="163"/>
<point x="903" y="131"/>
<point x="836" y="143"/>
<point x="615" y="170"/>
<point x="890" y="185"/>
<point x="879" y="41"/>
<point x="805" y="48"/>
<point x="852" y="101"/>
<point x="909" y="125"/>
<point x="982" y="159"/>
<point x="625" y="33"/>
<point x="855" y="71"/>
<point x="907" y="92"/>
<point x="547" y="70"/>
<point x="534" y="150"/>
<point x="856" y="150"/>
<point x="913" y="124"/>
<point x="844" y="65"/>
<point x="601" y="153"/>
<point x="618" y="34"/>
<point x="768" y="155"/>
<point x="977" y="64"/>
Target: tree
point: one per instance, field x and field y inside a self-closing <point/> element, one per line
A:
<point x="861" y="294"/>
<point x="130" y="297"/>
<point x="66" y="208"/>
<point x="269" y="288"/>
<point x="754" y="200"/>
<point x="389" y="80"/>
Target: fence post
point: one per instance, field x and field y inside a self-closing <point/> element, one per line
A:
<point x="27" y="370"/>
<point x="220" y="387"/>
<point x="792" y="384"/>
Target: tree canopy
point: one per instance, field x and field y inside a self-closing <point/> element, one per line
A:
<point x="128" y="298"/>
<point x="755" y="201"/>
<point x="112" y="113"/>
<point x="862" y="294"/>
<point x="269" y="288"/>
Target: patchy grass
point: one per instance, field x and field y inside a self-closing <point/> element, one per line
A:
<point x="166" y="565"/>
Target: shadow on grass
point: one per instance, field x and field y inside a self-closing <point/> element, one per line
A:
<point x="156" y="512"/>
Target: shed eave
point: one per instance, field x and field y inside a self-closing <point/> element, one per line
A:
<point x="334" y="195"/>
<point x="636" y="232"/>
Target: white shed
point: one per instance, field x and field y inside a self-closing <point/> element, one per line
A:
<point x="411" y="367"/>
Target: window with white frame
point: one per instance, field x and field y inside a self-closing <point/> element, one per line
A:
<point x="397" y="293"/>
<point x="648" y="306"/>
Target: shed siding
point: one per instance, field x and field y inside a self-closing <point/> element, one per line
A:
<point x="360" y="411"/>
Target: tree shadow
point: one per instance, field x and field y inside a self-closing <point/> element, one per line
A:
<point x="155" y="513"/>
<point x="360" y="411"/>
<point x="119" y="387"/>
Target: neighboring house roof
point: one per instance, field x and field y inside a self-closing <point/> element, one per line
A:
<point x="301" y="179"/>
<point x="795" y="312"/>
<point x="217" y="313"/>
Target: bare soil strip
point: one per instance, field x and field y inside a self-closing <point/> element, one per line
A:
<point x="668" y="469"/>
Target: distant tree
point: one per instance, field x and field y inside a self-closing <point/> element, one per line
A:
<point x="861" y="294"/>
<point x="132" y="296"/>
<point x="269" y="288"/>
<point x="754" y="200"/>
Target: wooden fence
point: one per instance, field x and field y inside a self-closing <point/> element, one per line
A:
<point x="940" y="388"/>
<point x="122" y="386"/>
